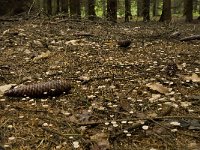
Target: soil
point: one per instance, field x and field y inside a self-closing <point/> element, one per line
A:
<point x="145" y="96"/>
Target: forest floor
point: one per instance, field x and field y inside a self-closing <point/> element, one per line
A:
<point x="143" y="97"/>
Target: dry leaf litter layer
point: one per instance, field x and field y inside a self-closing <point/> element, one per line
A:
<point x="142" y="95"/>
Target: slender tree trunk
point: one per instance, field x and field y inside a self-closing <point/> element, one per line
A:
<point x="104" y="8"/>
<point x="91" y="9"/>
<point x="49" y="7"/>
<point x="55" y="7"/>
<point x="75" y="9"/>
<point x="146" y="9"/>
<point x="127" y="10"/>
<point x="64" y="6"/>
<point x="112" y="10"/>
<point x="166" y="11"/>
<point x="174" y="6"/>
<point x="58" y="6"/>
<point x="195" y="4"/>
<point x="139" y="8"/>
<point x="155" y="7"/>
<point x="188" y="10"/>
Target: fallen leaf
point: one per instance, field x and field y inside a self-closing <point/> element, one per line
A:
<point x="43" y="55"/>
<point x="158" y="87"/>
<point x="73" y="42"/>
<point x="185" y="104"/>
<point x="194" y="125"/>
<point x="6" y="87"/>
<point x="154" y="97"/>
<point x="38" y="43"/>
<point x="193" y="78"/>
<point x="101" y="140"/>
<point x="84" y="77"/>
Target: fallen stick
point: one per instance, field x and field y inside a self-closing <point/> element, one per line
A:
<point x="190" y="38"/>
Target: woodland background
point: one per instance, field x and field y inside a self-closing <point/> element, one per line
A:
<point x="110" y="9"/>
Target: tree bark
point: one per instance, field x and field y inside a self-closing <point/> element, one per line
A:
<point x="112" y="10"/>
<point x="49" y="7"/>
<point x="188" y="10"/>
<point x="64" y="6"/>
<point x="128" y="14"/>
<point x="75" y="9"/>
<point x="91" y="9"/>
<point x="166" y="11"/>
<point x="139" y="8"/>
<point x="104" y="8"/>
<point x="146" y="9"/>
<point x="155" y="7"/>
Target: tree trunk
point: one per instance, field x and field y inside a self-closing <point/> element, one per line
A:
<point x="64" y="6"/>
<point x="49" y="7"/>
<point x="91" y="9"/>
<point x="195" y="4"/>
<point x="146" y="9"/>
<point x="104" y="8"/>
<point x="155" y="7"/>
<point x="127" y="10"/>
<point x="139" y="8"/>
<point x="188" y="10"/>
<point x="55" y="7"/>
<point x="75" y="9"/>
<point x="175" y="7"/>
<point x="166" y="11"/>
<point x="112" y="10"/>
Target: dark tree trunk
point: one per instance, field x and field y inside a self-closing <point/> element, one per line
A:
<point x="49" y="7"/>
<point x="75" y="9"/>
<point x="146" y="9"/>
<point x="58" y="6"/>
<point x="64" y="6"/>
<point x="155" y="7"/>
<point x="188" y="6"/>
<point x="112" y="10"/>
<point x="139" y="8"/>
<point x="91" y="9"/>
<point x="128" y="14"/>
<point x="166" y="11"/>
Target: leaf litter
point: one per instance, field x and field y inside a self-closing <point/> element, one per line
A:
<point x="123" y="97"/>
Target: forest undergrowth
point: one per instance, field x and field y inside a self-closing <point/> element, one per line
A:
<point x="145" y="96"/>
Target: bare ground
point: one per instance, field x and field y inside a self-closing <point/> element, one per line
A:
<point x="116" y="101"/>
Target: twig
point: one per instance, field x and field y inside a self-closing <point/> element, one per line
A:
<point x="190" y="38"/>
<point x="58" y="133"/>
<point x="4" y="123"/>
<point x="31" y="7"/>
<point x="40" y="144"/>
<point x="28" y="110"/>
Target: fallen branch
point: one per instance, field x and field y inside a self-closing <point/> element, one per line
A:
<point x="58" y="133"/>
<point x="190" y="38"/>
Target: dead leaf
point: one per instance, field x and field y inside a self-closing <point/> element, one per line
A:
<point x="154" y="97"/>
<point x="158" y="87"/>
<point x="193" y="78"/>
<point x="43" y="55"/>
<point x="6" y="87"/>
<point x="75" y="42"/>
<point x="101" y="140"/>
<point x="84" y="77"/>
<point x="38" y="43"/>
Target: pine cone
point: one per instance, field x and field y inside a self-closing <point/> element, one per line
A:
<point x="45" y="89"/>
<point x="124" y="43"/>
<point x="171" y="69"/>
